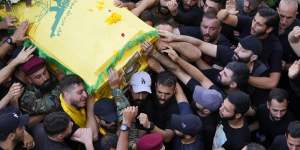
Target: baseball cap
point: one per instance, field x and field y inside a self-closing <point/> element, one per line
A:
<point x="152" y="141"/>
<point x="187" y="124"/>
<point x="140" y="82"/>
<point x="240" y="100"/>
<point x="32" y="65"/>
<point x="10" y="122"/>
<point x="208" y="98"/>
<point x="252" y="43"/>
<point x="106" y="109"/>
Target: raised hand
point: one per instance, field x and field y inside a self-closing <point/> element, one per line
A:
<point x="8" y="22"/>
<point x="25" y="54"/>
<point x="171" y="53"/>
<point x="144" y="121"/>
<point x="167" y="36"/>
<point x="84" y="136"/>
<point x="15" y="91"/>
<point x="294" y="69"/>
<point x="173" y="7"/>
<point x="19" y="35"/>
<point x="114" y="79"/>
<point x="294" y="35"/>
<point x="147" y="48"/>
<point x="129" y="114"/>
<point x="231" y="7"/>
<point x="118" y="3"/>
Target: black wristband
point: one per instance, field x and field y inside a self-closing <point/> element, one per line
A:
<point x="151" y="127"/>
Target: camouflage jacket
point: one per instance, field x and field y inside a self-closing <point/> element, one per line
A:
<point x="34" y="102"/>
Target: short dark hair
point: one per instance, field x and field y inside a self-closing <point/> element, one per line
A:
<point x="294" y="129"/>
<point x="69" y="80"/>
<point x="56" y="123"/>
<point x="255" y="146"/>
<point x="278" y="94"/>
<point x="271" y="16"/>
<point x="210" y="15"/>
<point x="166" y="78"/>
<point x="240" y="73"/>
<point x="220" y="2"/>
<point x="240" y="100"/>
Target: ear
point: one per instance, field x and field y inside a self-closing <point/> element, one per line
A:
<point x="60" y="136"/>
<point x="233" y="85"/>
<point x="206" y="111"/>
<point x="268" y="104"/>
<point x="269" y="30"/>
<point x="11" y="136"/>
<point x="253" y="57"/>
<point x="238" y="115"/>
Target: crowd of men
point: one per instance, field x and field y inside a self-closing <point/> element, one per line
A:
<point x="223" y="74"/>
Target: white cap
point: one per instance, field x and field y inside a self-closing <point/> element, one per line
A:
<point x="140" y="82"/>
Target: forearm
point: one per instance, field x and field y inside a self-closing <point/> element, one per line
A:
<point x="4" y="48"/>
<point x="171" y="66"/>
<point x="264" y="82"/>
<point x="195" y="73"/>
<point x="143" y="6"/>
<point x="91" y="122"/>
<point x="7" y="71"/>
<point x="89" y="146"/>
<point x="188" y="39"/>
<point x="167" y="133"/>
<point x="121" y="101"/>
<point x="227" y="18"/>
<point x="33" y="120"/>
<point x="4" y="101"/>
<point x="187" y="50"/>
<point x="123" y="141"/>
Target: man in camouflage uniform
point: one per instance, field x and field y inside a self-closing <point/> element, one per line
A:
<point x="41" y="96"/>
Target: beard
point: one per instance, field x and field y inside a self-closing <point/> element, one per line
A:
<point x="236" y="57"/>
<point x="47" y="86"/>
<point x="258" y="34"/>
<point x="227" y="118"/>
<point x="209" y="39"/>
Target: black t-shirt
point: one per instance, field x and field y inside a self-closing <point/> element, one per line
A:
<point x="258" y="96"/>
<point x="224" y="55"/>
<point x="279" y="143"/>
<point x="272" y="49"/>
<point x="159" y="114"/>
<point x="43" y="142"/>
<point x="197" y="145"/>
<point x="272" y="53"/>
<point x="191" y="17"/>
<point x="236" y="138"/>
<point x="289" y="56"/>
<point x="271" y="128"/>
<point x="244" y="25"/>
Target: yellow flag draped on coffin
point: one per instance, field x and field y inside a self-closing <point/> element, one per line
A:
<point x="85" y="37"/>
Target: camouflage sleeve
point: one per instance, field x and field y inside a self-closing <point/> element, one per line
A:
<point x="33" y="104"/>
<point x="121" y="101"/>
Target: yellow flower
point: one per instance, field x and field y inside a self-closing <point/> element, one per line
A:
<point x="113" y="18"/>
<point x="100" y="4"/>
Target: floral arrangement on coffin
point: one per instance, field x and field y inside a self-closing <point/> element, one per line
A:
<point x="8" y="3"/>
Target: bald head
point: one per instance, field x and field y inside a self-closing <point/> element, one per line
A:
<point x="287" y="11"/>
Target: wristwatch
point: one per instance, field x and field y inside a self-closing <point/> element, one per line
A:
<point x="10" y="41"/>
<point x="124" y="127"/>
